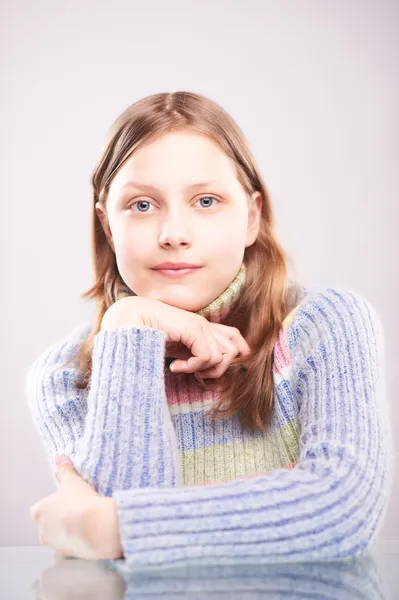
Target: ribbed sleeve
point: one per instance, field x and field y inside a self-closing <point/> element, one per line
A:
<point x="332" y="503"/>
<point x="118" y="433"/>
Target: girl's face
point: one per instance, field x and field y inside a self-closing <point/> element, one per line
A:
<point x="178" y="199"/>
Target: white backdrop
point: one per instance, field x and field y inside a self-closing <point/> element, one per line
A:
<point x="313" y="85"/>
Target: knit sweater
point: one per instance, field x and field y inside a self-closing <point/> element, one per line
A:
<point x="315" y="486"/>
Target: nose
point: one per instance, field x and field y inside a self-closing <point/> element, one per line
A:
<point x="175" y="233"/>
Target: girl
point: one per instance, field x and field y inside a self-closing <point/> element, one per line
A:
<point x="215" y="410"/>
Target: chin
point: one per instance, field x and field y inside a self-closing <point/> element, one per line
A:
<point x="183" y="303"/>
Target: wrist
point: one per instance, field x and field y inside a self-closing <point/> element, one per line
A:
<point x="103" y="526"/>
<point x="126" y="312"/>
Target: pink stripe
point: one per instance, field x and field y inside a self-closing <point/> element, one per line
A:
<point x="187" y="395"/>
<point x="281" y="351"/>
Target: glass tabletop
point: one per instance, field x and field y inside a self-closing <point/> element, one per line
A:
<point x="37" y="572"/>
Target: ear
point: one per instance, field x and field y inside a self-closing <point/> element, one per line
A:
<point x="254" y="217"/>
<point x="101" y="214"/>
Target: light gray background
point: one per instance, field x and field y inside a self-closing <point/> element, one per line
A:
<point x="313" y="85"/>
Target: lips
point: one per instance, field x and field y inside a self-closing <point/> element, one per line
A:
<point x="177" y="272"/>
<point x="176" y="266"/>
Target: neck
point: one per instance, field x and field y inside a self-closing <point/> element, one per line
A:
<point x="219" y="308"/>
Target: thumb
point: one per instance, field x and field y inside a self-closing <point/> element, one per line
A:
<point x="63" y="464"/>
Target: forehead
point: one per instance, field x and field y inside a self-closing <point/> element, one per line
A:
<point x="175" y="160"/>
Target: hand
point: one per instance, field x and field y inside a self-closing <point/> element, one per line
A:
<point x="76" y="521"/>
<point x="208" y="347"/>
<point x="231" y="344"/>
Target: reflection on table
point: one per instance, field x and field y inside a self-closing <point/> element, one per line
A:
<point x="76" y="578"/>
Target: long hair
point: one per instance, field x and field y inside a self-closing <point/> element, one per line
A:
<point x="246" y="388"/>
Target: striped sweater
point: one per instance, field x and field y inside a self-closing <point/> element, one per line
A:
<point x="315" y="486"/>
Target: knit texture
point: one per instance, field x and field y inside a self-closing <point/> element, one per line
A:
<point x="315" y="486"/>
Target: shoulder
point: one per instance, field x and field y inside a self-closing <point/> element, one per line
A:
<point x="333" y="321"/>
<point x="329" y="310"/>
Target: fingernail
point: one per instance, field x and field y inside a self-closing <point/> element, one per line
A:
<point x="62" y="460"/>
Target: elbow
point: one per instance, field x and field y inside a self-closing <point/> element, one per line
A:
<point x="362" y="521"/>
<point x="370" y="522"/>
<point x="364" y="538"/>
<point x="372" y="507"/>
<point x="354" y="508"/>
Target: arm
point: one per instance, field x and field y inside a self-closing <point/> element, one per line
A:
<point x="118" y="433"/>
<point x="331" y="504"/>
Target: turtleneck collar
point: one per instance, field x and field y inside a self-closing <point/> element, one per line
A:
<point x="216" y="310"/>
<point x="219" y="308"/>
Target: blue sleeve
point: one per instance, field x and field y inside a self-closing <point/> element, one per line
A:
<point x="118" y="432"/>
<point x="331" y="505"/>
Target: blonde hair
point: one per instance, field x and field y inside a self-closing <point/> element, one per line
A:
<point x="265" y="300"/>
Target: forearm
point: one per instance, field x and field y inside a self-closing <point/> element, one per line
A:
<point x="118" y="432"/>
<point x="129" y="438"/>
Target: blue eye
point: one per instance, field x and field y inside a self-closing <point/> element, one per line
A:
<point x="140" y="202"/>
<point x="206" y="197"/>
<point x="149" y="203"/>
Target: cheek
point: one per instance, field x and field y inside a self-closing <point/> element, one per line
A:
<point x="230" y="231"/>
<point x="133" y="256"/>
<point x="223" y="229"/>
<point x="132" y="244"/>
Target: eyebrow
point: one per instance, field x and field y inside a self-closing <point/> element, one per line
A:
<point x="151" y="188"/>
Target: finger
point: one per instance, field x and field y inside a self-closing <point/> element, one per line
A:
<point x="204" y="348"/>
<point x="233" y="334"/>
<point x="34" y="511"/>
<point x="217" y="371"/>
<point x="229" y="351"/>
<point x="42" y="539"/>
<point x="65" y="553"/>
<point x="63" y="467"/>
<point x="226" y="346"/>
